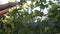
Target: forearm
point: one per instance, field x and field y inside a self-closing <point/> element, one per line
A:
<point x="3" y="11"/>
<point x="4" y="6"/>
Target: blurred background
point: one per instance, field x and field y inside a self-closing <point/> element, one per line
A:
<point x="31" y="17"/>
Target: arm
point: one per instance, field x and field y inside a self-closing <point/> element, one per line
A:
<point x="4" y="8"/>
<point x="8" y="5"/>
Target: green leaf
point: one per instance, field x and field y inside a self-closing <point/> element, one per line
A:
<point x="50" y="3"/>
<point x="38" y="13"/>
<point x="37" y="3"/>
<point x="32" y="6"/>
<point x="33" y="0"/>
<point x="46" y="6"/>
<point x="43" y="1"/>
<point x="42" y="6"/>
